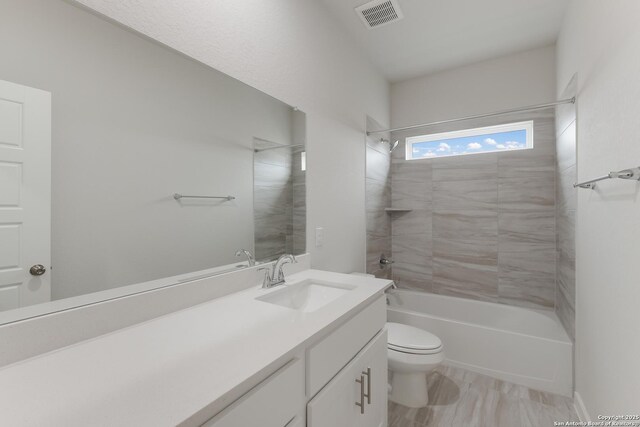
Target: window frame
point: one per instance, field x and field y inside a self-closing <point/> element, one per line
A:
<point x="527" y="126"/>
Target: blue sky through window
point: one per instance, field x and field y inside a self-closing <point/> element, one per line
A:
<point x="490" y="142"/>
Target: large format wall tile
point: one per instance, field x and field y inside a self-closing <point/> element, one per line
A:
<point x="411" y="185"/>
<point x="565" y="210"/>
<point x="378" y="194"/>
<point x="407" y="223"/>
<point x="533" y="193"/>
<point x="478" y="167"/>
<point x="466" y="225"/>
<point x="378" y="197"/>
<point x="299" y="215"/>
<point x="482" y="226"/>
<point x="566" y="194"/>
<point x="527" y="278"/>
<point x="460" y="276"/>
<point x="466" y="267"/>
<point x="525" y="231"/>
<point x="375" y="248"/>
<point x="454" y="196"/>
<point x="566" y="312"/>
<point x="412" y="254"/>
<point x="273" y="204"/>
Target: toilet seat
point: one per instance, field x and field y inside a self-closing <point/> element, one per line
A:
<point x="411" y="340"/>
<point x="413" y="350"/>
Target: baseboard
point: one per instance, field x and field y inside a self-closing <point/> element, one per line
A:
<point x="580" y="408"/>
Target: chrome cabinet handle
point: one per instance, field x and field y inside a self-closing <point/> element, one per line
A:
<point x="368" y="393"/>
<point x="37" y="270"/>
<point x="361" y="403"/>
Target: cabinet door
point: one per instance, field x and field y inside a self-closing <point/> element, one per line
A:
<point x="272" y="403"/>
<point x="375" y="363"/>
<point x="336" y="405"/>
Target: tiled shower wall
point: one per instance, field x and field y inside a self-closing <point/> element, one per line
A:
<point x="378" y="197"/>
<point x="279" y="202"/>
<point x="481" y="226"/>
<point x="298" y="177"/>
<point x="566" y="211"/>
<point x="273" y="201"/>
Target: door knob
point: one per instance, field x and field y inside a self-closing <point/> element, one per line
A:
<point x="37" y="270"/>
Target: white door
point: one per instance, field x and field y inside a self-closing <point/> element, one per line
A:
<point x="344" y="402"/>
<point x="25" y="195"/>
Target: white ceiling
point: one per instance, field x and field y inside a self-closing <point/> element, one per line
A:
<point x="436" y="35"/>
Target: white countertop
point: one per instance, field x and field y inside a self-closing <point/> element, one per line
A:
<point x="172" y="369"/>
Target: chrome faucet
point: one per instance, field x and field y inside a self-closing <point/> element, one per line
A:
<point x="275" y="277"/>
<point x="250" y="259"/>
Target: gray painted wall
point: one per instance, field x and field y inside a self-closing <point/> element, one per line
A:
<point x="134" y="122"/>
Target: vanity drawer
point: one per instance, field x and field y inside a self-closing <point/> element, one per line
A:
<point x="330" y="355"/>
<point x="275" y="402"/>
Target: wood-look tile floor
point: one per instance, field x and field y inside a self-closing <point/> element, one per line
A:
<point x="458" y="397"/>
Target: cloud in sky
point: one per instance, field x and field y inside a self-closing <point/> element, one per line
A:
<point x="512" y="145"/>
<point x="473" y="144"/>
<point x="444" y="147"/>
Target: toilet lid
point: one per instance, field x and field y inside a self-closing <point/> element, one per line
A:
<point x="409" y="339"/>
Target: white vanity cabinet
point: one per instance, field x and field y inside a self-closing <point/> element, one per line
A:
<point x="341" y="381"/>
<point x="276" y="402"/>
<point x="357" y="396"/>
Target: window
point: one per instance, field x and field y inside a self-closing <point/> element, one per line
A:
<point x="490" y="139"/>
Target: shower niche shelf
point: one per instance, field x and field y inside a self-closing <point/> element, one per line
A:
<point x="396" y="210"/>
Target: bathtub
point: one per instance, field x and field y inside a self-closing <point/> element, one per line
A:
<point x="520" y="345"/>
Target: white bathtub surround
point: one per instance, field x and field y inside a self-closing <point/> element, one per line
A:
<point x="524" y="346"/>
<point x="183" y="367"/>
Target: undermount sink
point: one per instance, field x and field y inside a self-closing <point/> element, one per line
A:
<point x="306" y="296"/>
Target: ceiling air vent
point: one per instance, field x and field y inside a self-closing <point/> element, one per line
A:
<point x="377" y="13"/>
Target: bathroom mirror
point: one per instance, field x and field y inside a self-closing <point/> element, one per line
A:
<point x="157" y="163"/>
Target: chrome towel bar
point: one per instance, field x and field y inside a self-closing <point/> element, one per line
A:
<point x="633" y="173"/>
<point x="178" y="196"/>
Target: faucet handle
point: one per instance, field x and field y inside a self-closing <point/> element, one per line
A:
<point x="268" y="277"/>
<point x="282" y="260"/>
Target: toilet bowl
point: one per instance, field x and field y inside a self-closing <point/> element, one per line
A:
<point x="412" y="354"/>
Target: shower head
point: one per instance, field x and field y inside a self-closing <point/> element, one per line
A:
<point x="391" y="146"/>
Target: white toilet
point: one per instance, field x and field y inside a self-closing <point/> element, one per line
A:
<point x="413" y="353"/>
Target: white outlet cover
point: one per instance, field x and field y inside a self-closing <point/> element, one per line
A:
<point x="319" y="237"/>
